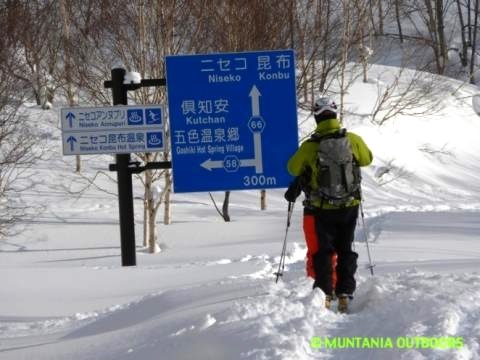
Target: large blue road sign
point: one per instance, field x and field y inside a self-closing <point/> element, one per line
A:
<point x="233" y="120"/>
<point x="112" y="129"/>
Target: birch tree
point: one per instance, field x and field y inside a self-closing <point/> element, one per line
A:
<point x="37" y="48"/>
<point x="410" y="92"/>
<point x="143" y="33"/>
<point x="249" y="25"/>
<point x="17" y="138"/>
<point x="474" y="43"/>
<point x="65" y="8"/>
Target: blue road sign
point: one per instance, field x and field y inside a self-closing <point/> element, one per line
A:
<point x="112" y="130"/>
<point x="233" y="120"/>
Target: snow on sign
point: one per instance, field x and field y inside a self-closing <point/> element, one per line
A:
<point x="112" y="130"/>
<point x="233" y="120"/>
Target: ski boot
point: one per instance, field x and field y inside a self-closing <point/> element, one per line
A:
<point x="329" y="299"/>
<point x="343" y="301"/>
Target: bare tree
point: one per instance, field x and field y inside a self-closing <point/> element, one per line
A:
<point x="378" y="6"/>
<point x="17" y="139"/>
<point x="465" y="43"/>
<point x="345" y="45"/>
<point x="431" y="14"/>
<point x="328" y="34"/>
<point x="468" y="34"/>
<point x="141" y="33"/>
<point x="98" y="36"/>
<point x="249" y="25"/>
<point x="398" y="19"/>
<point x="410" y="92"/>
<point x="37" y="49"/>
<point x="474" y="43"/>
<point x="90" y="47"/>
<point x="364" y="44"/>
<point x="65" y="8"/>
<point x="319" y="53"/>
<point x="354" y="37"/>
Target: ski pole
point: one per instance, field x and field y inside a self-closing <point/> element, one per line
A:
<point x="370" y="264"/>
<point x="281" y="265"/>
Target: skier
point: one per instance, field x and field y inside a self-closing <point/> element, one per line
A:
<point x="332" y="197"/>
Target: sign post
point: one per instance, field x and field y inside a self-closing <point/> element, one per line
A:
<point x="125" y="167"/>
<point x="124" y="180"/>
<point x="233" y="120"/>
<point x="120" y="130"/>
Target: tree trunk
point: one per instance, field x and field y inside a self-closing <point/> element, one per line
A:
<point x="68" y="68"/>
<point x="226" y="202"/>
<point x="399" y="23"/>
<point x="345" y="49"/>
<point x="433" y="32"/>
<point x="150" y="206"/>
<point x="167" y="216"/>
<point x="291" y="17"/>
<point x="152" y="224"/>
<point x="371" y="6"/>
<point x="145" y="218"/>
<point x="442" y="44"/>
<point x="78" y="164"/>
<point x="472" y="60"/>
<point x="365" y="71"/>
<point x="469" y="24"/>
<point x="380" y="17"/>
<point x="463" y="51"/>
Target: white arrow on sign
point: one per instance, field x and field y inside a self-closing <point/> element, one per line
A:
<point x="257" y="136"/>
<point x="255" y="95"/>
<point x="257" y="162"/>
<point x="257" y="143"/>
<point x="212" y="164"/>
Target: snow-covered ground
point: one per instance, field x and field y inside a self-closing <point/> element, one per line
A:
<point x="211" y="294"/>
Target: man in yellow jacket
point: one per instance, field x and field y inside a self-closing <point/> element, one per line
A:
<point x="329" y="223"/>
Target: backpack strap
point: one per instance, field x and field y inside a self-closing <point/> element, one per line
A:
<point x="334" y="135"/>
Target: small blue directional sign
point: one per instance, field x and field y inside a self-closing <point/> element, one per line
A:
<point x="135" y="117"/>
<point x="153" y="116"/>
<point x="233" y="120"/>
<point x="155" y="140"/>
<point x="112" y="130"/>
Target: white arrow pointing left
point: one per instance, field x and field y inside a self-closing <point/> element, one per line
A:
<point x="212" y="164"/>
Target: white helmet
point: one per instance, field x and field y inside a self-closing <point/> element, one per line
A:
<point x="324" y="104"/>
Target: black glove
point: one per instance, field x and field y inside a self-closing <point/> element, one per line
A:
<point x="294" y="190"/>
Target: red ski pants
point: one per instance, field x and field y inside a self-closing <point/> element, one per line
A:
<point x="330" y="260"/>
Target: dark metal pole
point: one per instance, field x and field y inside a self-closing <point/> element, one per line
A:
<point x="124" y="179"/>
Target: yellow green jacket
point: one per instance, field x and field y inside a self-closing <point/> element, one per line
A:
<point x="306" y="156"/>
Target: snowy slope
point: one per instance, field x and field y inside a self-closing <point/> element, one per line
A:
<point x="210" y="294"/>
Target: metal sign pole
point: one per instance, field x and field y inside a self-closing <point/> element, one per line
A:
<point x="124" y="167"/>
<point x="124" y="179"/>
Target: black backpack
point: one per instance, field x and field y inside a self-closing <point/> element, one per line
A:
<point x="338" y="174"/>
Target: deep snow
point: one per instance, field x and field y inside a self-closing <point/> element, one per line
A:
<point x="210" y="293"/>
